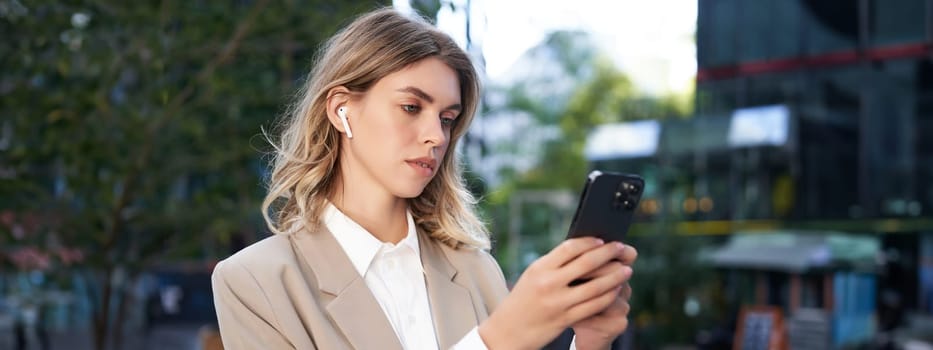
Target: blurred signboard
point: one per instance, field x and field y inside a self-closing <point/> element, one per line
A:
<point x="760" y="327"/>
<point x="623" y="140"/>
<point x="759" y="126"/>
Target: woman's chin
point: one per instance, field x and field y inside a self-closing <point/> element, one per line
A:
<point x="410" y="192"/>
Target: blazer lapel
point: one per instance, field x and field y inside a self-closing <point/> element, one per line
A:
<point x="451" y="304"/>
<point x="354" y="309"/>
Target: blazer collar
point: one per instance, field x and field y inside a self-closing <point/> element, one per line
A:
<point x="354" y="309"/>
<point x="451" y="303"/>
<point x="359" y="244"/>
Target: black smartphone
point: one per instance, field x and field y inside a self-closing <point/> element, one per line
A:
<point x="607" y="205"/>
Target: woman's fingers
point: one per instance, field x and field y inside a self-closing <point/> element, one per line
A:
<point x="610" y="276"/>
<point x="541" y="303"/>
<point x="627" y="291"/>
<point x="620" y="309"/>
<point x="620" y="306"/>
<point x="617" y="311"/>
<point x="629" y="255"/>
<point x="567" y="251"/>
<point x="609" y="311"/>
<point x="592" y="260"/>
<point x="594" y="305"/>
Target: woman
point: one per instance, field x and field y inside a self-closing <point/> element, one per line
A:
<point x="376" y="245"/>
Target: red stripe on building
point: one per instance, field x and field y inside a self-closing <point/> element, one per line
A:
<point x="803" y="62"/>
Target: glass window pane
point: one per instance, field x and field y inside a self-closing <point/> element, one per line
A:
<point x="718" y="28"/>
<point x="829" y="26"/>
<point x="898" y="21"/>
<point x="770" y="29"/>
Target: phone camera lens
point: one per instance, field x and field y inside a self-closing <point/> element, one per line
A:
<point x="631" y="189"/>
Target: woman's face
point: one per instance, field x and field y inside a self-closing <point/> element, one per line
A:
<point x="401" y="129"/>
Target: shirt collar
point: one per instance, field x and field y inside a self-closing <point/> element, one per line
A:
<point x="360" y="245"/>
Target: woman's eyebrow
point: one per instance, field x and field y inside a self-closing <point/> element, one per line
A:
<point x="417" y="92"/>
<point x="424" y="96"/>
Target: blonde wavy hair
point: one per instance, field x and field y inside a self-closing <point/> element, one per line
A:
<point x="305" y="163"/>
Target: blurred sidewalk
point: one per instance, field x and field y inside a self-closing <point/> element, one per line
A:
<point x="917" y="334"/>
<point x="170" y="336"/>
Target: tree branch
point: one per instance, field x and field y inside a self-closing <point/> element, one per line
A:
<point x="132" y="177"/>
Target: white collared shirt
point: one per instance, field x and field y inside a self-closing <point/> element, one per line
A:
<point x="395" y="276"/>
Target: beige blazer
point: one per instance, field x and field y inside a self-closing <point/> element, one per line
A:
<point x="301" y="292"/>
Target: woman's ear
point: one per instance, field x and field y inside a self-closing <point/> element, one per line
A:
<point x="338" y="97"/>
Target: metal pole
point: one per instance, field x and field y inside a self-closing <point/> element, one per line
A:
<point x="865" y="193"/>
<point x="515" y="224"/>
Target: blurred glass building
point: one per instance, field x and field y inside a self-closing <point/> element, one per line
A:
<point x="812" y="116"/>
<point x="857" y="77"/>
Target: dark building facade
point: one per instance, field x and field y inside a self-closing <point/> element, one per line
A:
<point x="811" y="115"/>
<point x="858" y="77"/>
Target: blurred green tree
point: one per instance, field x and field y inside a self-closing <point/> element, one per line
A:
<point x="131" y="130"/>
<point x="573" y="89"/>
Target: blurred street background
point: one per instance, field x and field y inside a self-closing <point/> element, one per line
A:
<point x="787" y="148"/>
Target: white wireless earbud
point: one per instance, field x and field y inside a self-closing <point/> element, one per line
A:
<point x="342" y="113"/>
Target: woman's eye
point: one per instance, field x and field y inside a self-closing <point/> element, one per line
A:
<point x="410" y="108"/>
<point x="447" y="121"/>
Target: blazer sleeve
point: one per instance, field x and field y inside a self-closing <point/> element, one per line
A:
<point x="498" y="285"/>
<point x="244" y="313"/>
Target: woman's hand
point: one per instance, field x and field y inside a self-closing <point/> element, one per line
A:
<point x="542" y="303"/>
<point x="598" y="331"/>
